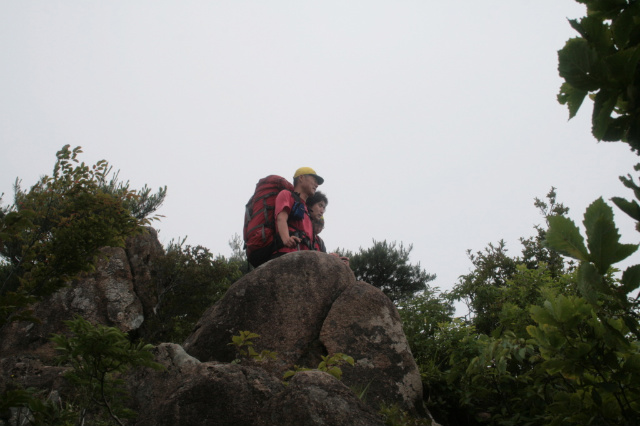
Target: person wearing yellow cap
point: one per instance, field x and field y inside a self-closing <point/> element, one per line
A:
<point x="294" y="230"/>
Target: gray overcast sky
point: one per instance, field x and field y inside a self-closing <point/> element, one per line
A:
<point x="433" y="123"/>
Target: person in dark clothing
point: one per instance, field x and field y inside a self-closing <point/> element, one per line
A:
<point x="317" y="205"/>
<point x="318" y="243"/>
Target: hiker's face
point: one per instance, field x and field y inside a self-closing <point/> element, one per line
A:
<point x="317" y="211"/>
<point x="309" y="184"/>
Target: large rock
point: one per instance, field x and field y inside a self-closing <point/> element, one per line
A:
<point x="24" y="372"/>
<point x="306" y="305"/>
<point x="119" y="293"/>
<point x="143" y="251"/>
<point x="365" y="324"/>
<point x="106" y="296"/>
<point x="285" y="301"/>
<point x="317" y="398"/>
<point x="194" y="393"/>
<point x="189" y="393"/>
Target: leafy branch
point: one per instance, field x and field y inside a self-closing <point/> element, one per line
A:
<point x="97" y="354"/>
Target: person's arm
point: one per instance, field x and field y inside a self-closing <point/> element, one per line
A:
<point x="283" y="230"/>
<point x="343" y="258"/>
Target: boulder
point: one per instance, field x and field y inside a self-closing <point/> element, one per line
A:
<point x="189" y="393"/>
<point x="285" y="301"/>
<point x="306" y="305"/>
<point x="317" y="398"/>
<point x="143" y="251"/>
<point x="105" y="296"/>
<point x="24" y="371"/>
<point x="365" y="324"/>
<point x="303" y="305"/>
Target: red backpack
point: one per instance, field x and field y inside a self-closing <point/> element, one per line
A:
<point x="259" y="221"/>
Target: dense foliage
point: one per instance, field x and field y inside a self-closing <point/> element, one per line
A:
<point x="97" y="355"/>
<point x="499" y="282"/>
<point x="140" y="206"/>
<point x="478" y="370"/>
<point x="386" y="266"/>
<point x="591" y="339"/>
<point x="188" y="280"/>
<point x="50" y="236"/>
<point x="603" y="62"/>
<point x="546" y="343"/>
<point x="53" y="232"/>
<point x="551" y="341"/>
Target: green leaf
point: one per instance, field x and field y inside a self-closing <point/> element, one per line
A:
<point x="603" y="237"/>
<point x="604" y="103"/>
<point x="563" y="309"/>
<point x="617" y="128"/>
<point x="633" y="135"/>
<point x="571" y="97"/>
<point x="631" y="208"/>
<point x="604" y="9"/>
<point x="576" y="62"/>
<point x="595" y="396"/>
<point x="594" y="31"/>
<point x="624" y="251"/>
<point x="632" y="324"/>
<point x="623" y="25"/>
<point x="554" y="366"/>
<point x="629" y="183"/>
<point x="631" y="279"/>
<point x="564" y="237"/>
<point x="589" y="282"/>
<point x="622" y="66"/>
<point x="335" y="372"/>
<point x="632" y="364"/>
<point x="502" y="365"/>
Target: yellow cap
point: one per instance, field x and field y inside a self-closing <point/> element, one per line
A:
<point x="308" y="171"/>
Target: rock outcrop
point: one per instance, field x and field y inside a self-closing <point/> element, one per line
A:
<point x="105" y="297"/>
<point x="308" y="304"/>
<point x="303" y="305"/>
<point x="314" y="398"/>
<point x="285" y="301"/>
<point x="142" y="252"/>
<point x="365" y="324"/>
<point x="197" y="393"/>
<point x="117" y="294"/>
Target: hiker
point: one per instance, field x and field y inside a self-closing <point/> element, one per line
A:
<point x="318" y="226"/>
<point x="293" y="223"/>
<point x="317" y="205"/>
